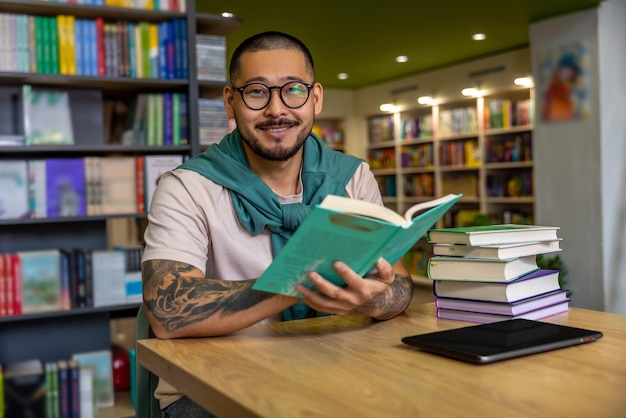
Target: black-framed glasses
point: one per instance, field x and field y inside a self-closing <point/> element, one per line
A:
<point x="257" y="96"/>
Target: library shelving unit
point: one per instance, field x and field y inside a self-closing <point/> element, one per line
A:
<point x="57" y="335"/>
<point x="481" y="147"/>
<point x="331" y="131"/>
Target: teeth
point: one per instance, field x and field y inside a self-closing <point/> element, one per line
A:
<point x="280" y="129"/>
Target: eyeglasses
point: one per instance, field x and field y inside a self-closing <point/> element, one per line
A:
<point x="257" y="96"/>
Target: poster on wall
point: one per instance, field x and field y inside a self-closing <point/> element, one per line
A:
<point x="564" y="83"/>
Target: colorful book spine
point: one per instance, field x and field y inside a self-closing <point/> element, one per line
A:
<point x="168" y="115"/>
<point x="132" y="52"/>
<point x="101" y="47"/>
<point x="176" y="119"/>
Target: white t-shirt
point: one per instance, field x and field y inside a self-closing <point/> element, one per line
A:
<point x="191" y="220"/>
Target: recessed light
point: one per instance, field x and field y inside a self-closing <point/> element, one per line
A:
<point x="478" y="36"/>
<point x="523" y="81"/>
<point x="402" y="58"/>
<point x="342" y="76"/>
<point x="387" y="107"/>
<point x="227" y="14"/>
<point x="425" y="100"/>
<point x="470" y="91"/>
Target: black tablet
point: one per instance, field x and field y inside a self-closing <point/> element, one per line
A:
<point x="487" y="343"/>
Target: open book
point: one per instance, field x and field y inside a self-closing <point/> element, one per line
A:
<point x="353" y="231"/>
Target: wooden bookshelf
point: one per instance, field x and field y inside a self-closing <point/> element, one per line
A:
<point x="88" y="329"/>
<point x="458" y="147"/>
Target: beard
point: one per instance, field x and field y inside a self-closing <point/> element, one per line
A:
<point x="282" y="153"/>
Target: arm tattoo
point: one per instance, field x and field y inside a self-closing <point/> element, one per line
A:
<point x="177" y="296"/>
<point x="391" y="302"/>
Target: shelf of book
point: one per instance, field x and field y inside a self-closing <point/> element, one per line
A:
<point x="118" y="113"/>
<point x="481" y="147"/>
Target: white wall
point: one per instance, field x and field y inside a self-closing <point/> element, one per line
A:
<point x="579" y="164"/>
<point x="612" y="65"/>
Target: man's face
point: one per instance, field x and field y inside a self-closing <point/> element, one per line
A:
<point x="276" y="132"/>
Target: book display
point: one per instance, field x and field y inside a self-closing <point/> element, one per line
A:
<point x="95" y="89"/>
<point x="479" y="147"/>
<point x="479" y="286"/>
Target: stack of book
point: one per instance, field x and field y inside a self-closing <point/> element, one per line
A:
<point x="490" y="273"/>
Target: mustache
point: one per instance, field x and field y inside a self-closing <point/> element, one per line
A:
<point x="277" y="122"/>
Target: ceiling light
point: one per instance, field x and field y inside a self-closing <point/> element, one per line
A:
<point x="523" y="81"/>
<point x="227" y="14"/>
<point x="470" y="91"/>
<point x="425" y="100"/>
<point x="402" y="58"/>
<point x="342" y="76"/>
<point x="478" y="36"/>
<point x="387" y="107"/>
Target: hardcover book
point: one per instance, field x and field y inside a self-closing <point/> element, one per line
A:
<point x="504" y="308"/>
<point x="101" y="366"/>
<point x="486" y="318"/>
<point x="492" y="234"/>
<point x="47" y="117"/>
<point x="41" y="281"/>
<point x="499" y="252"/>
<point x="350" y="230"/>
<point x="14" y="190"/>
<point x="154" y="167"/>
<point x="536" y="283"/>
<point x="118" y="185"/>
<point x="65" y="186"/>
<point x="480" y="269"/>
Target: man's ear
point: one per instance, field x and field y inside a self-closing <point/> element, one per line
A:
<point x="318" y="97"/>
<point x="229" y="97"/>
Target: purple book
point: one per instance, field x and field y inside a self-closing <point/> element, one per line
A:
<point x="65" y="187"/>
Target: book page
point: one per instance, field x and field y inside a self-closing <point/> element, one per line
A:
<point x="363" y="208"/>
<point x="416" y="210"/>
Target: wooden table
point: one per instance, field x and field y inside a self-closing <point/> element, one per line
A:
<point x="352" y="366"/>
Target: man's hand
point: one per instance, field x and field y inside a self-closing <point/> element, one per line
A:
<point x="381" y="295"/>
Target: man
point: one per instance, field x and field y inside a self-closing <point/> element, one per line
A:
<point x="216" y="222"/>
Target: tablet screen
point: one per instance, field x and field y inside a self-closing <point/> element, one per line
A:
<point x="502" y="340"/>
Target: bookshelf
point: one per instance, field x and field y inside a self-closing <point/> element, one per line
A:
<point x="23" y="337"/>
<point x="481" y="147"/>
<point x="331" y="131"/>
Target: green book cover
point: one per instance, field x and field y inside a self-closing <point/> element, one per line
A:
<point x="158" y="113"/>
<point x="39" y="43"/>
<point x="54" y="45"/>
<point x="492" y="234"/>
<point x="175" y="119"/>
<point x="329" y="235"/>
<point x="144" y="29"/>
<point x="152" y="119"/>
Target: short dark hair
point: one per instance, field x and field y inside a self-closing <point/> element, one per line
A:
<point x="267" y="41"/>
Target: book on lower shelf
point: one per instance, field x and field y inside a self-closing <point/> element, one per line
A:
<point x="100" y="363"/>
<point x="24" y="389"/>
<point x="40" y="273"/>
<point x="353" y="231"/>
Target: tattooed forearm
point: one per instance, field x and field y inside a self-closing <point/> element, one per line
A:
<point x="177" y="294"/>
<point x="391" y="302"/>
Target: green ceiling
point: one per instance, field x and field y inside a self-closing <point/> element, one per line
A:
<point x="363" y="37"/>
